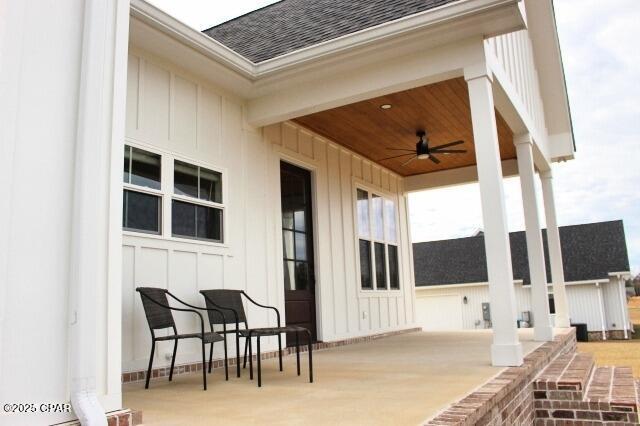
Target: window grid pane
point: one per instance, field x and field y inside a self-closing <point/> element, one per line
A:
<point x="378" y="223"/>
<point x="144" y="168"/>
<point x="390" y="221"/>
<point x="394" y="275"/>
<point x="141" y="212"/>
<point x="366" y="274"/>
<point x="363" y="213"/>
<point x="196" y="221"/>
<point x="381" y="266"/>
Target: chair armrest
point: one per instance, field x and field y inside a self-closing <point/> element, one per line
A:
<point x="263" y="306"/>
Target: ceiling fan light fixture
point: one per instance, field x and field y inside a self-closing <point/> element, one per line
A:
<point x="385" y="106"/>
<point x="423" y="156"/>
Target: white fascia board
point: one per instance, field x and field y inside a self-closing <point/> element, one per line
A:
<point x="204" y="44"/>
<point x="620" y="274"/>
<point x="156" y="18"/>
<point x="546" y="50"/>
<point x="453" y="177"/>
<point x="515" y="282"/>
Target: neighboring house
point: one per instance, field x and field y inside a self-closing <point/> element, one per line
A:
<point x="452" y="291"/>
<point x="141" y="152"/>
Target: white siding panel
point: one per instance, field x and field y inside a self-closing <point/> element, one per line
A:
<point x="191" y="119"/>
<point x="184" y="111"/>
<point x="154" y="104"/>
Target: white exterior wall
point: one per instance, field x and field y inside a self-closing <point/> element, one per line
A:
<point x="168" y="111"/>
<point x="584" y="304"/>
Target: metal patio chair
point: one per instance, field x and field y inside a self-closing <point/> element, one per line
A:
<point x="231" y="301"/>
<point x="159" y="316"/>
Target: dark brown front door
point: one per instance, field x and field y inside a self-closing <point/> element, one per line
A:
<point x="297" y="240"/>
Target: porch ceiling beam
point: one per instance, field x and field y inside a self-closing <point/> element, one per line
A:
<point x="365" y="82"/>
<point x="453" y="177"/>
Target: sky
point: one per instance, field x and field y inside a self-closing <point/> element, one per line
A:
<point x="599" y="42"/>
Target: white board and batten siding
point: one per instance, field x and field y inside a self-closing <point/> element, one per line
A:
<point x="172" y="113"/>
<point x="585" y="305"/>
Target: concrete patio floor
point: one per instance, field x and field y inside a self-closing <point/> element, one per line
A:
<point x="398" y="380"/>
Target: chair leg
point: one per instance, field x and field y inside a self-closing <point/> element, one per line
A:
<point x="153" y="349"/>
<point x="210" y="357"/>
<point x="298" y="351"/>
<point x="310" y="357"/>
<point x="204" y="366"/>
<point x="259" y="363"/>
<point x="280" y="350"/>
<point x="226" y="362"/>
<point x="246" y="346"/>
<point x="238" y="353"/>
<point x="250" y="359"/>
<point x="173" y="358"/>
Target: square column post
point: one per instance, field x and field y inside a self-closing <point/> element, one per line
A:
<point x="555" y="251"/>
<point x="543" y="332"/>
<point x="506" y="349"/>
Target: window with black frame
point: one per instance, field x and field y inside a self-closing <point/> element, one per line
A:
<point x="377" y="241"/>
<point x="142" y="198"/>
<point x="196" y="205"/>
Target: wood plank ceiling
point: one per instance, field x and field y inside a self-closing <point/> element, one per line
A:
<point x="442" y="109"/>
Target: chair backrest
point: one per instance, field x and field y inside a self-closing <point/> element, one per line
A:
<point x="157" y="316"/>
<point x="228" y="299"/>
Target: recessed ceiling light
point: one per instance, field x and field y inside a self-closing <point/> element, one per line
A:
<point x="385" y="106"/>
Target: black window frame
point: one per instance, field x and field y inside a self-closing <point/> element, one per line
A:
<point x="129" y="188"/>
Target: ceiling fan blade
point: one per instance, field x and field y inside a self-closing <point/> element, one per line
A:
<point x="410" y="160"/>
<point x="434" y="159"/>
<point x="401" y="149"/>
<point x="448" y="151"/>
<point x="447" y="145"/>
<point x="397" y="156"/>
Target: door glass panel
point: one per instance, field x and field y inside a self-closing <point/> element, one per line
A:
<point x="381" y="267"/>
<point x="210" y="185"/>
<point x="394" y="276"/>
<point x="185" y="179"/>
<point x="390" y="221"/>
<point x="287" y="244"/>
<point x="378" y="224"/>
<point x="287" y="219"/>
<point x="301" y="246"/>
<point x="145" y="168"/>
<point x="289" y="275"/>
<point x="300" y="220"/>
<point x="366" y="279"/>
<point x="363" y="213"/>
<point x="302" y="276"/>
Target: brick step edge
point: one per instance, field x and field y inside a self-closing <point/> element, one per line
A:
<point x="566" y="378"/>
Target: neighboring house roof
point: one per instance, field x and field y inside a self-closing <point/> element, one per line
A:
<point x="290" y="25"/>
<point x="589" y="252"/>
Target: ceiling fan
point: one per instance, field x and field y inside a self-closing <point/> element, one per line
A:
<point x="423" y="151"/>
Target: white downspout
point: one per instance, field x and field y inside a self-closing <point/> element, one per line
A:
<point x="87" y="250"/>
<point x="625" y="319"/>
<point x="601" y="308"/>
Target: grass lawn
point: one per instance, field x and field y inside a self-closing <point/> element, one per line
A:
<point x="619" y="352"/>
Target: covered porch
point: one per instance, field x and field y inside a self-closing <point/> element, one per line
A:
<point x="402" y="379"/>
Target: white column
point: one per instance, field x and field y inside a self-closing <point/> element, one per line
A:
<point x="543" y="332"/>
<point x="506" y="349"/>
<point x="555" y="251"/>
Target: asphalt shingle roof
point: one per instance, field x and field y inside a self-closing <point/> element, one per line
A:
<point x="290" y="25"/>
<point x="589" y="252"/>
